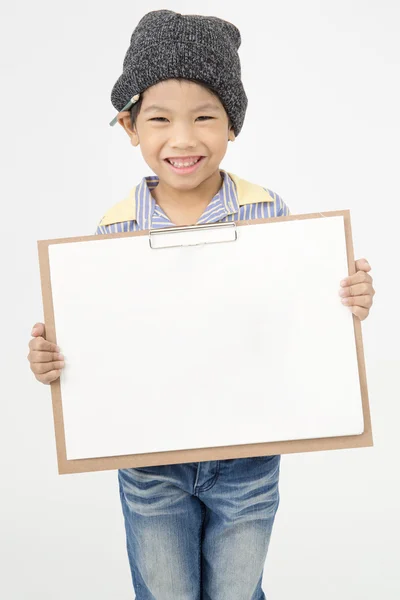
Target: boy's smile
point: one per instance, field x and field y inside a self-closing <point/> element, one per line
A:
<point x="184" y="166"/>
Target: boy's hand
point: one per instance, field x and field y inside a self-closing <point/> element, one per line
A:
<point x="45" y="361"/>
<point x="357" y="291"/>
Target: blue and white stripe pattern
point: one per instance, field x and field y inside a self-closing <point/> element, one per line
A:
<point x="223" y="207"/>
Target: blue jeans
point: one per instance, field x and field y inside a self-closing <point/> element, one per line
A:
<point x="200" y="531"/>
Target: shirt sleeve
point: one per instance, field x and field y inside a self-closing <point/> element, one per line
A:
<point x="100" y="230"/>
<point x="282" y="210"/>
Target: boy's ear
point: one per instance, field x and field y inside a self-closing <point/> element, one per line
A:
<point x="124" y="119"/>
<point x="231" y="135"/>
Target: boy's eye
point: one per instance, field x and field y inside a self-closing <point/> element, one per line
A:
<point x="158" y="118"/>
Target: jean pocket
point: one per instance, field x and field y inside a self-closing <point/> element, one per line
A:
<point x="264" y="458"/>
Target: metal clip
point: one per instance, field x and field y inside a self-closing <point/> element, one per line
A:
<point x="187" y="232"/>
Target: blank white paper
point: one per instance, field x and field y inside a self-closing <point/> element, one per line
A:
<point x="203" y="346"/>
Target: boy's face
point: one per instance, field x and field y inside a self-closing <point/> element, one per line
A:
<point x="180" y="130"/>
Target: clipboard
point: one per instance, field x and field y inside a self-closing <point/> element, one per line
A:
<point x="198" y="402"/>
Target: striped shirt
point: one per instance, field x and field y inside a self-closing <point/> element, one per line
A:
<point x="223" y="207"/>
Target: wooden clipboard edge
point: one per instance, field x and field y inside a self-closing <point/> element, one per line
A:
<point x="48" y="310"/>
<point x="200" y="454"/>
<point x="367" y="434"/>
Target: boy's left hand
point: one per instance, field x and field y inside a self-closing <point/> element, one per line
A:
<point x="356" y="290"/>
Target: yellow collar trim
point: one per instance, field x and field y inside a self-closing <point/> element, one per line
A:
<point x="125" y="210"/>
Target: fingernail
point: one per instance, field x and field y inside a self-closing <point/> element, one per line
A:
<point x="34" y="330"/>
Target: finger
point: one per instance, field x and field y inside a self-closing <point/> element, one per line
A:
<point x="360" y="289"/>
<point x="361" y="276"/>
<point x="39" y="329"/>
<point x="363" y="301"/>
<point x="362" y="265"/>
<point x="358" y="277"/>
<point x="40" y="343"/>
<point x="48" y="377"/>
<point x="43" y="368"/>
<point x="38" y="356"/>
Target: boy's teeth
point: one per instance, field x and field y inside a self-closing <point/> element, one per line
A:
<point x="185" y="164"/>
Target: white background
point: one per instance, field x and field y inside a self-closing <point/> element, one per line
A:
<point x="322" y="130"/>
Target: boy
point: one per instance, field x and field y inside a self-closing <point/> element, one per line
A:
<point x="193" y="530"/>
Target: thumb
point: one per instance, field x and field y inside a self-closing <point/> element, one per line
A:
<point x="39" y="330"/>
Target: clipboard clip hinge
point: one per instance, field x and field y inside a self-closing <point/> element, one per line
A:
<point x="193" y="235"/>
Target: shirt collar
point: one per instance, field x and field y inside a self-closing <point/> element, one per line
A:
<point x="225" y="202"/>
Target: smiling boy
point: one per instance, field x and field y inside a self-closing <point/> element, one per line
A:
<point x="194" y="530"/>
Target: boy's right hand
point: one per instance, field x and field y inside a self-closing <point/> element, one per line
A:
<point x="45" y="361"/>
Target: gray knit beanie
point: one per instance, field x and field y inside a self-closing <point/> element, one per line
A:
<point x="166" y="45"/>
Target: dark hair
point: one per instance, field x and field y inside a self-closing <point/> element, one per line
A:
<point x="134" y="110"/>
